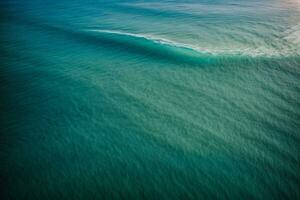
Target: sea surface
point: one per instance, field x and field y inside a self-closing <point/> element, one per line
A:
<point x="191" y="99"/>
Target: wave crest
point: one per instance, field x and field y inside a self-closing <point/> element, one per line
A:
<point x="262" y="51"/>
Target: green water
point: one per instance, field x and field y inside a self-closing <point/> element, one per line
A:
<point x="150" y="99"/>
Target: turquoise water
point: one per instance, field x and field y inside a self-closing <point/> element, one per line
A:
<point x="150" y="99"/>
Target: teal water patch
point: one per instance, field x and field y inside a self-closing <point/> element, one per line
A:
<point x="150" y="100"/>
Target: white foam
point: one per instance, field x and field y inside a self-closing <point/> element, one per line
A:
<point x="155" y="39"/>
<point x="293" y="34"/>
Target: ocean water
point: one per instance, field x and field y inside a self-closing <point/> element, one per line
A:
<point x="195" y="99"/>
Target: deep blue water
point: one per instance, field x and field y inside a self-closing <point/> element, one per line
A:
<point x="150" y="99"/>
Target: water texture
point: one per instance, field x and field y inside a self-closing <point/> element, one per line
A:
<point x="150" y="99"/>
